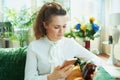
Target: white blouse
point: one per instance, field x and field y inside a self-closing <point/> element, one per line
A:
<point x="44" y="55"/>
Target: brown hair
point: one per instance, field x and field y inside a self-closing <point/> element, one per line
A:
<point x="48" y="9"/>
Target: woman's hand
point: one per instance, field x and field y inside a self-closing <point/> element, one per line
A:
<point x="60" y="72"/>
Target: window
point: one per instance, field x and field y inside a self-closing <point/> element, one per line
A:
<point x="84" y="9"/>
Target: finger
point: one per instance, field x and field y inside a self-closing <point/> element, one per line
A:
<point x="67" y="67"/>
<point x="67" y="72"/>
<point x="58" y="67"/>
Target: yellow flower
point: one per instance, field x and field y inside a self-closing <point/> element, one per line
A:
<point x="92" y="19"/>
<point x="83" y="27"/>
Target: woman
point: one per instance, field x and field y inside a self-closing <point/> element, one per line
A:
<point x="48" y="52"/>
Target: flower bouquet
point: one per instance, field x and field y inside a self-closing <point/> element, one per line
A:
<point x="85" y="31"/>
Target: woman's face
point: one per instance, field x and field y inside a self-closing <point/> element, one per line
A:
<point x="56" y="28"/>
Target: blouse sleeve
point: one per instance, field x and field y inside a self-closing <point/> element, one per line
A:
<point x="81" y="52"/>
<point x="31" y="72"/>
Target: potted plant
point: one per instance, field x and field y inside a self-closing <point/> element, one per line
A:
<point x="21" y="22"/>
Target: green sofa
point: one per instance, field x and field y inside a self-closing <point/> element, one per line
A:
<point x="12" y="63"/>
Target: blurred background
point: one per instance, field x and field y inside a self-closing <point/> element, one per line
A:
<point x="17" y="18"/>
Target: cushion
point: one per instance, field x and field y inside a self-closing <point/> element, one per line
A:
<point x="12" y="63"/>
<point x="102" y="75"/>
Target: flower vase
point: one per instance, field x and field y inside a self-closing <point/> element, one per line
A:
<point x="87" y="44"/>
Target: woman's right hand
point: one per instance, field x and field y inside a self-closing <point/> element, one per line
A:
<point x="60" y="72"/>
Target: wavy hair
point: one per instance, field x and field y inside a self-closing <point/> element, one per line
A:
<point x="47" y="10"/>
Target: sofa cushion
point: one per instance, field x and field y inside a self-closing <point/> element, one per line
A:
<point x="12" y="63"/>
<point x="103" y="75"/>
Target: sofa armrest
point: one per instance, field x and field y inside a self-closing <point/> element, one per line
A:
<point x="12" y="63"/>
